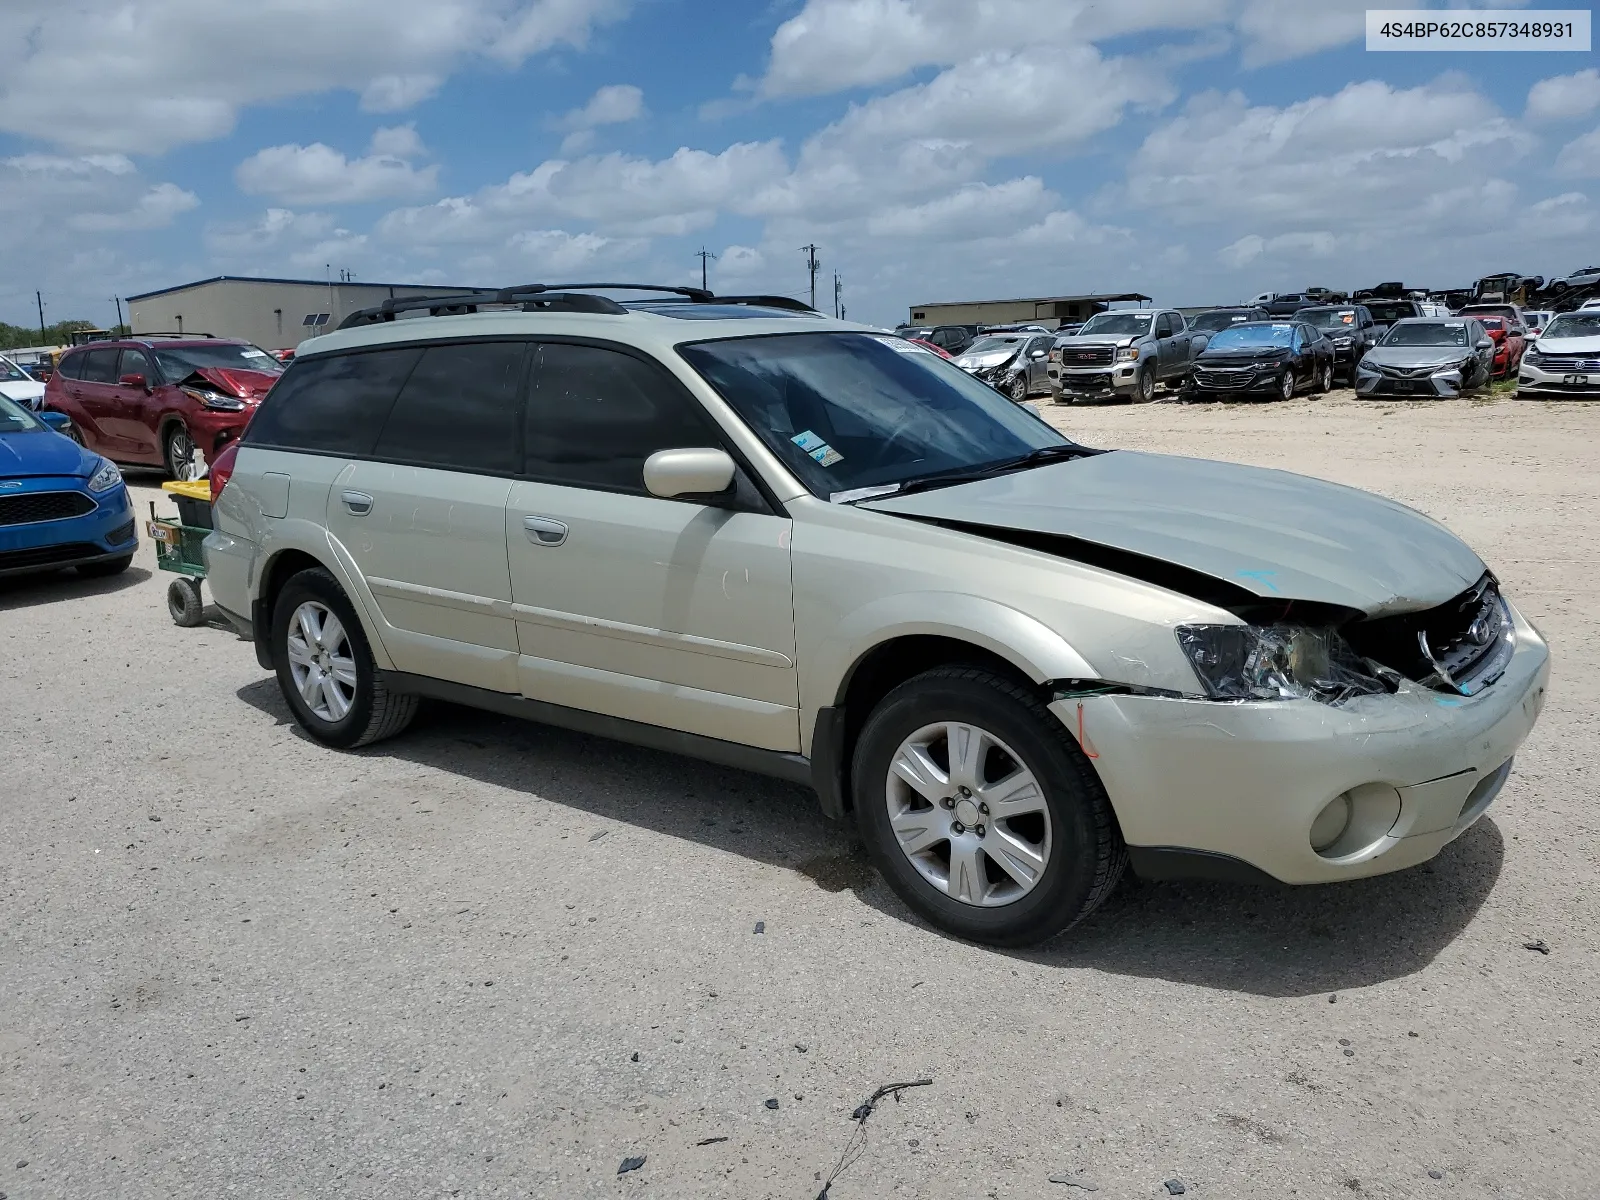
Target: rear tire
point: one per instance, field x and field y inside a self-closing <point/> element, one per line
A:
<point x="1065" y="822"/>
<point x="332" y="670"/>
<point x="184" y="604"/>
<point x="1324" y="381"/>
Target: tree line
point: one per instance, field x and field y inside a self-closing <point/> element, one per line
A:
<point x="59" y="334"/>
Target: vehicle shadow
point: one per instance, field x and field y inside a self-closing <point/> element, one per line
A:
<point x="26" y="591"/>
<point x="1263" y="941"/>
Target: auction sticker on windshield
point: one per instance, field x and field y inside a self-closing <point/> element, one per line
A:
<point x="1399" y="29"/>
<point x="901" y="345"/>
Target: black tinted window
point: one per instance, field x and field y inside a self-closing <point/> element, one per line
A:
<point x="71" y="366"/>
<point x="595" y="415"/>
<point x="134" y="362"/>
<point x="459" y="409"/>
<point x="100" y="366"/>
<point x="333" y="405"/>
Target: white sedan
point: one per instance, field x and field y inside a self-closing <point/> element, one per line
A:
<point x="16" y="384"/>
<point x="1565" y="360"/>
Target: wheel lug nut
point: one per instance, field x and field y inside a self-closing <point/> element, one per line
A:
<point x="966" y="791"/>
<point x="948" y="802"/>
<point x="984" y="809"/>
<point x="958" y="828"/>
<point x="978" y="829"/>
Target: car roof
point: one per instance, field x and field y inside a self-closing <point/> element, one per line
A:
<point x="648" y="327"/>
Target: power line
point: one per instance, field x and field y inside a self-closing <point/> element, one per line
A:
<point x="812" y="264"/>
<point x="702" y="256"/>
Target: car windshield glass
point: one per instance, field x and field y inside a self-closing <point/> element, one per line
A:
<point x="1328" y="318"/>
<point x="1393" y="311"/>
<point x="1221" y="319"/>
<point x="1117" y="323"/>
<point x="846" y="411"/>
<point x="996" y="345"/>
<point x="179" y="361"/>
<point x="1571" y="325"/>
<point x="16" y="419"/>
<point x="1252" y="337"/>
<point x="1427" y="333"/>
<point x="11" y="373"/>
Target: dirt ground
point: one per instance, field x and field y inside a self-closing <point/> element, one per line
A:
<point x="495" y="959"/>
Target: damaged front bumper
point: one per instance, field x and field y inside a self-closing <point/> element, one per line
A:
<point x="1245" y="782"/>
<point x="1426" y="385"/>
<point x="1119" y="379"/>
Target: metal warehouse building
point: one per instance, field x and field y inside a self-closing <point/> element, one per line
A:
<point x="1045" y="310"/>
<point x="273" y="313"/>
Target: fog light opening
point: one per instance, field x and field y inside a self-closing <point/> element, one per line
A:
<point x="1331" y="823"/>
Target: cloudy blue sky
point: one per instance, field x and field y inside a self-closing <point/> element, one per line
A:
<point x="1198" y="150"/>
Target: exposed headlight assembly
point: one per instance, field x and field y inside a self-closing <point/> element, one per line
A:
<point x="215" y="401"/>
<point x="1277" y="662"/>
<point x="105" y="477"/>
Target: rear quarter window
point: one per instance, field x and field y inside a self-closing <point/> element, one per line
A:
<point x="333" y="404"/>
<point x="71" y="366"/>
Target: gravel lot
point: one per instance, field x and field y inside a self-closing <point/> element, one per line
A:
<point x="495" y="959"/>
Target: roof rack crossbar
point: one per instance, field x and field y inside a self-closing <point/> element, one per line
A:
<point x="550" y="297"/>
<point x="788" y="303"/>
<point x="691" y="293"/>
<point x="161" y="333"/>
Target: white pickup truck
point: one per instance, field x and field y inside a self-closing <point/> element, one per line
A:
<point x="1123" y="354"/>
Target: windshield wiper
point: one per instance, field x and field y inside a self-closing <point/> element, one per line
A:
<point x="1036" y="458"/>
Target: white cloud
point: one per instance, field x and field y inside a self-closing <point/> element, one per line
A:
<point x="154" y="210"/>
<point x="1564" y="96"/>
<point x="1565" y="216"/>
<point x="1274" y="33"/>
<point x="281" y="241"/>
<point x="1580" y="158"/>
<point x="318" y="174"/>
<point x="614" y="104"/>
<point x="1317" y="244"/>
<point x="552" y="252"/>
<point x="739" y="262"/>
<point x="114" y="75"/>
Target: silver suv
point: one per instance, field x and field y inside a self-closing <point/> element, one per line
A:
<point x="739" y="530"/>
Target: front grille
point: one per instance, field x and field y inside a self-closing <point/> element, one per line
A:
<point x="1566" y="362"/>
<point x="1452" y="648"/>
<point x="122" y="533"/>
<point x="32" y="507"/>
<point x="1088" y="356"/>
<point x="1222" y="377"/>
<point x="44" y="556"/>
<point x="1079" y="383"/>
<point x="1407" y="372"/>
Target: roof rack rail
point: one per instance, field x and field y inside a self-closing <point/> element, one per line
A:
<point x="163" y="333"/>
<point x="550" y="297"/>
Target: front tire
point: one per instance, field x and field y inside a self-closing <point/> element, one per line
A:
<point x="1146" y="388"/>
<point x="177" y="451"/>
<point x="1019" y="388"/>
<point x="981" y="811"/>
<point x="1286" y="385"/>
<point x="325" y="668"/>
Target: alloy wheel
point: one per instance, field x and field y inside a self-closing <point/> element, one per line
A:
<point x="968" y="814"/>
<point x="1286" y="384"/>
<point x="320" y="661"/>
<point x="1019" y="388"/>
<point x="180" y="454"/>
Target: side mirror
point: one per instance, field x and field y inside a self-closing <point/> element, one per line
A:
<point x="134" y="381"/>
<point x="56" y="420"/>
<point x="700" y="472"/>
<point x="1486" y="344"/>
<point x="1037" y="354"/>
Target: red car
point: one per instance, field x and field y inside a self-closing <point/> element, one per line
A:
<point x="1509" y="343"/>
<point x="927" y="345"/>
<point x="153" y="401"/>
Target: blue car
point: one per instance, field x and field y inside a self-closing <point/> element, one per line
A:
<point x="60" y="505"/>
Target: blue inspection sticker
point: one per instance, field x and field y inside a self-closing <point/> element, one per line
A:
<point x="808" y="441"/>
<point x="826" y="455"/>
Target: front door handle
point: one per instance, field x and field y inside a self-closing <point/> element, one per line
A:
<point x="359" y="503"/>
<point x="542" y="531"/>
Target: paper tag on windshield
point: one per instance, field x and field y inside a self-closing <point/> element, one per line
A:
<point x="901" y="345"/>
<point x="826" y="455"/>
<point x="808" y="441"/>
<point x="255" y="354"/>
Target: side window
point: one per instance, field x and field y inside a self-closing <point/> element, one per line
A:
<point x="594" y="415"/>
<point x="71" y="366"/>
<point x="1300" y="338"/>
<point x="135" y="362"/>
<point x="459" y="410"/>
<point x="100" y="366"/>
<point x="1163" y="326"/>
<point x="334" y="404"/>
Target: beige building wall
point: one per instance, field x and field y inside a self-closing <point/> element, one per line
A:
<point x="269" y="314"/>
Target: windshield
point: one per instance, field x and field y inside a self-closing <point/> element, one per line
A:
<point x="1571" y="325"/>
<point x="846" y="410"/>
<point x="16" y="419"/>
<point x="1211" y="321"/>
<point x="1117" y="323"/>
<point x="11" y="373"/>
<point x="997" y="345"/>
<point x="1328" y="318"/>
<point x="1393" y="310"/>
<point x="179" y="361"/>
<point x="1427" y="333"/>
<point x="1252" y="337"/>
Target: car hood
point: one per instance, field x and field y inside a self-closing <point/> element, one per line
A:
<point x="977" y="362"/>
<point x="1418" y="356"/>
<point x="43" y="452"/>
<point x="1214" y="356"/>
<point x="23" y="392"/>
<point x="1582" y="345"/>
<point x="1273" y="534"/>
<point x="248" y="385"/>
<point x="1076" y="343"/>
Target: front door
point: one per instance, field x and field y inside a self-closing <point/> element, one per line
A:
<point x="137" y="409"/>
<point x="424" y="517"/>
<point x="668" y="612"/>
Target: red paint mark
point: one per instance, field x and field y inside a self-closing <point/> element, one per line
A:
<point x="1083" y="740"/>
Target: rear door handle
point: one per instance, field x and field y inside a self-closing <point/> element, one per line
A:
<point x="359" y="503"/>
<point x="542" y="531"/>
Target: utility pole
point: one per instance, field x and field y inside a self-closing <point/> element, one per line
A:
<point x="812" y="264"/>
<point x="838" y="293"/>
<point x="40" y="299"/>
<point x="702" y="256"/>
<point x="118" y="300"/>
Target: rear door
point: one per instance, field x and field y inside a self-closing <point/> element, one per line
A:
<point x="668" y="612"/>
<point x="100" y="399"/>
<point x="423" y="518"/>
